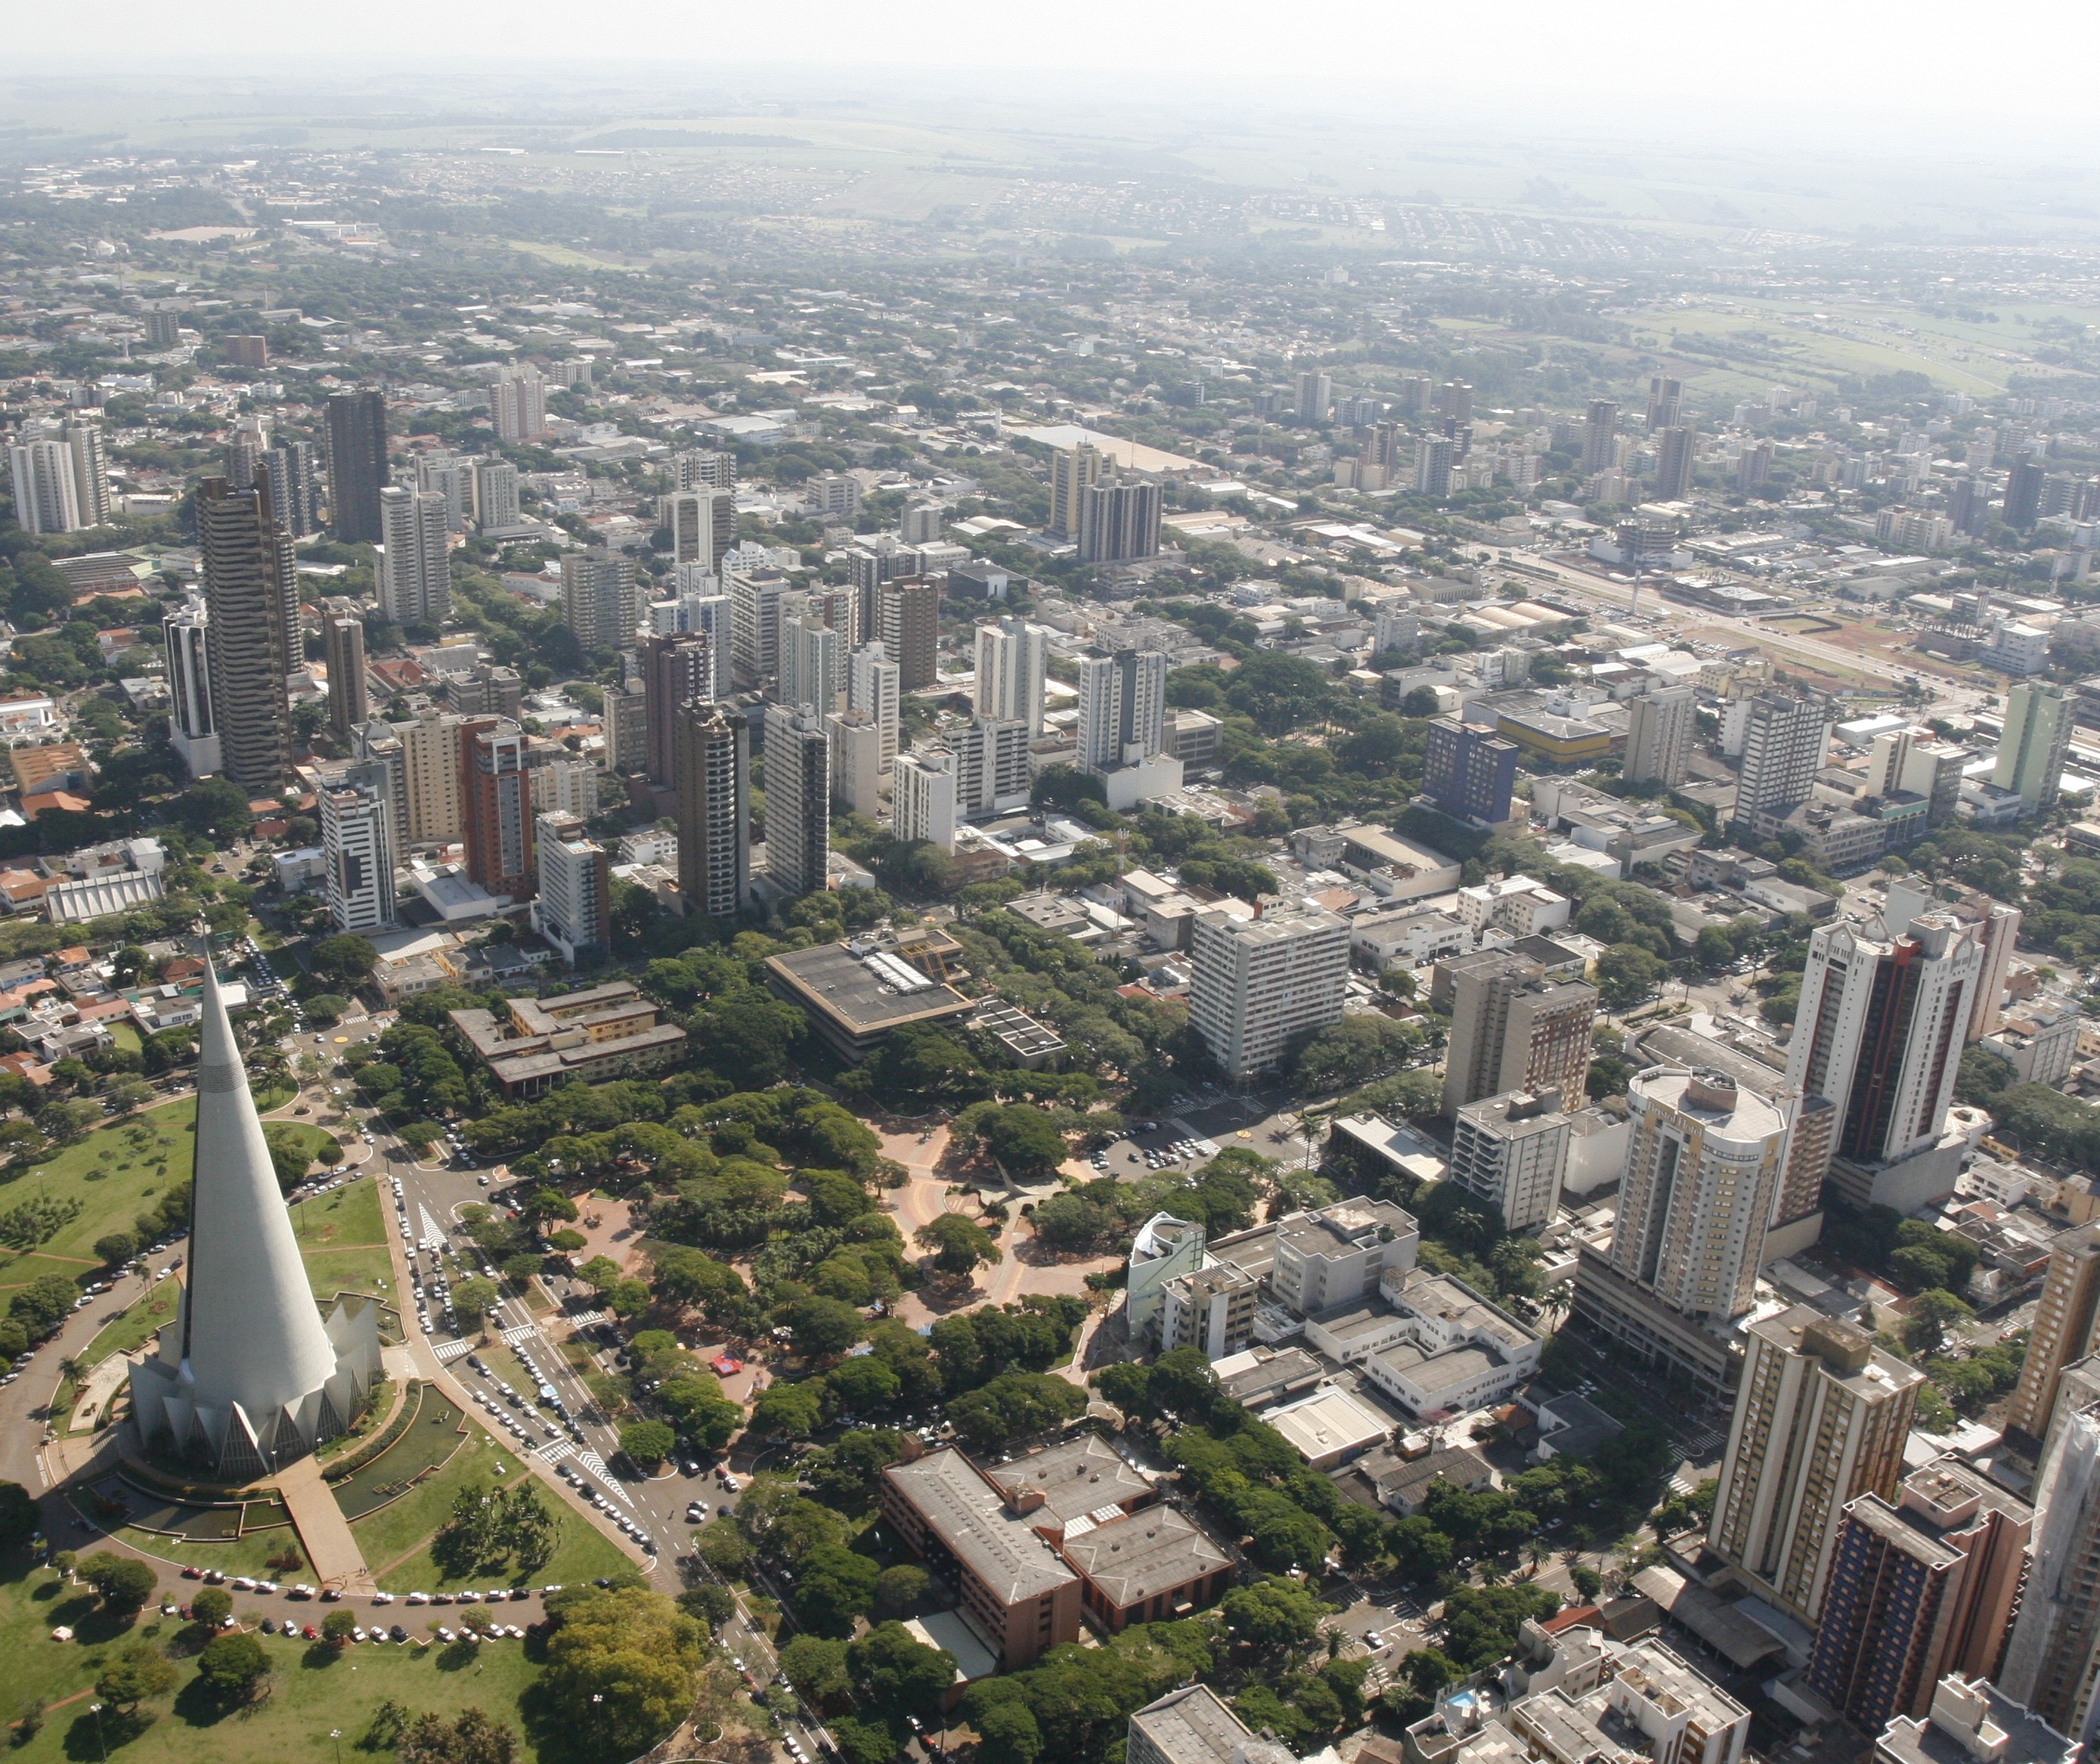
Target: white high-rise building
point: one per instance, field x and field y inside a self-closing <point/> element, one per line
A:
<point x="858" y="778"/>
<point x="1660" y="728"/>
<point x="445" y="473"/>
<point x="90" y="472"/>
<point x="1701" y="1176"/>
<point x="573" y="908"/>
<point x="45" y="498"/>
<point x="415" y="557"/>
<point x="992" y="775"/>
<point x="494" y="485"/>
<point x="1821" y="1418"/>
<point x="1880" y="1031"/>
<point x="517" y="406"/>
<point x="250" y="1377"/>
<point x="1509" y="1152"/>
<point x="703" y="468"/>
<point x="1012" y="656"/>
<point x="813" y="663"/>
<point x="1122" y="708"/>
<point x="1258" y="982"/>
<point x="360" y="848"/>
<point x="798" y="801"/>
<point x="192" y="725"/>
<point x="754" y="612"/>
<point x="707" y="614"/>
<point x="873" y="685"/>
<point x="924" y="793"/>
<point x="1784" y="736"/>
<point x="566" y="787"/>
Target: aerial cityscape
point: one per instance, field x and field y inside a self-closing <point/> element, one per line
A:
<point x="851" y="916"/>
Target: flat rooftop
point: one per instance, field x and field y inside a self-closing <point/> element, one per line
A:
<point x="859" y="993"/>
<point x="1195" y="1726"/>
<point x="1074" y="1480"/>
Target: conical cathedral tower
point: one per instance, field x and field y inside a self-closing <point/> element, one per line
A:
<point x="249" y="1376"/>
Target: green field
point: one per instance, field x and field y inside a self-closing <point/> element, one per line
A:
<point x="146" y="1315"/>
<point x="115" y="1172"/>
<point x="250" y="1554"/>
<point x="395" y="1540"/>
<point x="343" y="1237"/>
<point x="311" y="1690"/>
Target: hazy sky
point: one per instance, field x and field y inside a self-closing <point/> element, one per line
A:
<point x="1929" y="72"/>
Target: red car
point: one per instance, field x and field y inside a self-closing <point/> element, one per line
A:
<point x="310" y="1634"/>
<point x="193" y="1574"/>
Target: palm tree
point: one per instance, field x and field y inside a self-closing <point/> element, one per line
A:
<point x="1536" y="1552"/>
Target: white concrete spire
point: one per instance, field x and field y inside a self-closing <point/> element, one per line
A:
<point x="249" y="1375"/>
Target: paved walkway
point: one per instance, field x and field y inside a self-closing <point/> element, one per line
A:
<point x="330" y="1545"/>
<point x="103" y="1381"/>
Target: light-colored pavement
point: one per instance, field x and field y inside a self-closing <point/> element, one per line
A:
<point x="331" y="1548"/>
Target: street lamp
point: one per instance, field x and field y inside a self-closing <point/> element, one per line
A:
<point x="336" y="1734"/>
<point x="100" y="1745"/>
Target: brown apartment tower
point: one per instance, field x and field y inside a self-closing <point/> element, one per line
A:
<point x="675" y="671"/>
<point x="357" y="465"/>
<point x="251" y="594"/>
<point x="342" y="647"/>
<point x="907" y="625"/>
<point x="496" y="790"/>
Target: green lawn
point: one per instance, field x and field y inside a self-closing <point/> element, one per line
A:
<point x="343" y="1236"/>
<point x="250" y="1554"/>
<point x="311" y="1690"/>
<point x="584" y="1553"/>
<point x="124" y="1036"/>
<point x="146" y="1316"/>
<point x="114" y="1172"/>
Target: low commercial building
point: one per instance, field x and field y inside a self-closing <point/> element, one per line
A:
<point x="854" y="993"/>
<point x="599" y="1033"/>
<point x="1194" y="1726"/>
<point x="1145" y="1567"/>
<point x="1212" y="1308"/>
<point x="1329" y="1428"/>
<point x="1019" y="1596"/>
<point x="1458" y="1351"/>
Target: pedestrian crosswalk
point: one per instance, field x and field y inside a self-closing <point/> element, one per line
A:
<point x="450" y="1351"/>
<point x="589" y="1319"/>
<point x="555" y="1450"/>
<point x="433" y="1238"/>
<point x="523" y="1331"/>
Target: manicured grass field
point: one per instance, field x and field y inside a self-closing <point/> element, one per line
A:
<point x="116" y="1172"/>
<point x="343" y="1236"/>
<point x="311" y="1690"/>
<point x="250" y="1554"/>
<point x="158" y="1306"/>
<point x="584" y="1553"/>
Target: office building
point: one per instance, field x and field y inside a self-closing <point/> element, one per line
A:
<point x="703" y="524"/>
<point x="602" y="598"/>
<point x="192" y="719"/>
<point x="493" y="485"/>
<point x="2066" y="1330"/>
<point x="517" y="407"/>
<point x="1258" y="982"/>
<point x="251" y="595"/>
<point x="2035" y="744"/>
<point x="1919" y="1587"/>
<point x="1196" y="1725"/>
<point x="1073" y="472"/>
<point x="1509" y="1152"/>
<point x="1316" y="395"/>
<point x="1785" y="735"/>
<point x="485" y="690"/>
<point x="1754" y="467"/>
<point x="1513" y="1029"/>
<point x="46" y="498"/>
<point x="359" y="848"/>
<point x="675" y="671"/>
<point x="874" y="684"/>
<point x="250" y="1377"/>
<point x="1702" y="1175"/>
<point x="1820" y="1420"/>
<point x="1016" y="1592"/>
<point x="295" y="491"/>
<point x="1122" y="708"/>
<point x="1880" y="1031"/>
<point x="415" y="557"/>
<point x="164" y="329"/>
<point x="356" y="466"/>
<point x="710" y="770"/>
<point x="1665" y="402"/>
<point x="813" y="662"/>
<point x="992" y="771"/>
<point x="1120" y="522"/>
<point x="431" y="764"/>
<point x="573" y="908"/>
<point x="343" y="649"/>
<point x="1469" y="772"/>
<point x="1012" y="658"/>
<point x="1675" y="453"/>
<point x="923" y="791"/>
<point x="1601" y="436"/>
<point x="1211" y="1309"/>
<point x="1434" y="457"/>
<point x="908" y="624"/>
<point x="1660" y="728"/>
<point x="2023" y="485"/>
<point x="755" y="611"/>
<point x="379" y="752"/>
<point x="703" y="469"/>
<point x="798" y="801"/>
<point x="497" y="793"/>
<point x="858" y="779"/>
<point x="922" y="522"/>
<point x="1910" y="762"/>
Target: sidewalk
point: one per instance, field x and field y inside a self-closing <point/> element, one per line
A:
<point x="330" y="1547"/>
